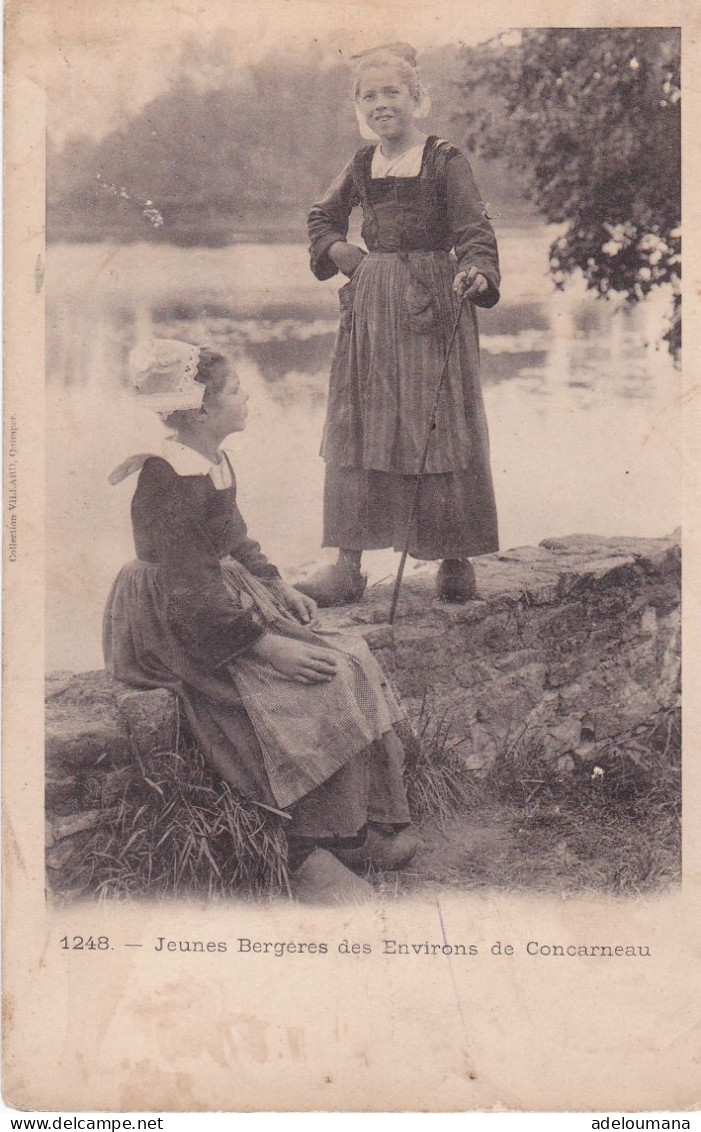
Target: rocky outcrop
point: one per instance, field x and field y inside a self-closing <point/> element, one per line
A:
<point x="576" y="639"/>
<point x="573" y="641"/>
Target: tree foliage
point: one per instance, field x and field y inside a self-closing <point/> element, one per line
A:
<point x="590" y="120"/>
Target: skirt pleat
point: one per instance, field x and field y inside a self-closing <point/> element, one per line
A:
<point x="277" y="742"/>
<point x="398" y="312"/>
<point x="371" y="510"/>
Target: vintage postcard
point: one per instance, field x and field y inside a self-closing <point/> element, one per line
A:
<point x="349" y="464"/>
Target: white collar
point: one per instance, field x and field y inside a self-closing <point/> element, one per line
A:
<point x="186" y="462"/>
<point x="407" y="164"/>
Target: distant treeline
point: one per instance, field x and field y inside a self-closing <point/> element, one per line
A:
<point x="239" y="156"/>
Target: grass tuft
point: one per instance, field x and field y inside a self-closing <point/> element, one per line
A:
<point x="611" y="823"/>
<point x="640" y="768"/>
<point x="437" y="782"/>
<point x="178" y="829"/>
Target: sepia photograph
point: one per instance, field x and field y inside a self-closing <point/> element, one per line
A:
<point x="494" y="391"/>
<point x="361" y="478"/>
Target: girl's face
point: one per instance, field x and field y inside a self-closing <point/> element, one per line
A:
<point x="385" y="102"/>
<point x="227" y="410"/>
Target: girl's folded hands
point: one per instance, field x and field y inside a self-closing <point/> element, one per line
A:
<point x="301" y="607"/>
<point x="298" y="661"/>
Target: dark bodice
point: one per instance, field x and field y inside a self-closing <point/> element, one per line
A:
<point x="219" y="521"/>
<point x="186" y="526"/>
<point x="402" y="214"/>
<point x="438" y="210"/>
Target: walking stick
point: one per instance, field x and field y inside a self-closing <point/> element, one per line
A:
<point x="422" y="468"/>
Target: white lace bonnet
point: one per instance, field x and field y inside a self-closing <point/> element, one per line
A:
<point x="389" y="53"/>
<point x="163" y="371"/>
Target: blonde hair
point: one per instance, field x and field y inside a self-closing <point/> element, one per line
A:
<point x="402" y="57"/>
<point x="381" y="57"/>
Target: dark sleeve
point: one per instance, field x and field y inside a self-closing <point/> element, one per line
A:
<point x="473" y="236"/>
<point x="328" y="222"/>
<point x="200" y="612"/>
<point x="249" y="554"/>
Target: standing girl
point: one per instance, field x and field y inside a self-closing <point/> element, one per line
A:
<point x="420" y="205"/>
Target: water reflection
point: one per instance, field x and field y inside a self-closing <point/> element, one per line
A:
<point x="582" y="405"/>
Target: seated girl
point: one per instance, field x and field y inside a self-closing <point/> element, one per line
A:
<point x="296" y="717"/>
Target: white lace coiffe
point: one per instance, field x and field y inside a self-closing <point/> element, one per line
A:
<point x="163" y="372"/>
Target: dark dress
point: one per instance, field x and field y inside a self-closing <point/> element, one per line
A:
<point x="184" y="615"/>
<point x="397" y="313"/>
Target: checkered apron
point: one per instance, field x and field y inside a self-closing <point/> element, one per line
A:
<point x="307" y="732"/>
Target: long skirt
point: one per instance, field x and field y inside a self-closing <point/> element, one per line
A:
<point x="397" y="315"/>
<point x="326" y="754"/>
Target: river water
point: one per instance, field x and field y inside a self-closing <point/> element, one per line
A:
<point x="581" y="396"/>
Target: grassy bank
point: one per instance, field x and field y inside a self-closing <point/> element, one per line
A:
<point x="607" y="819"/>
